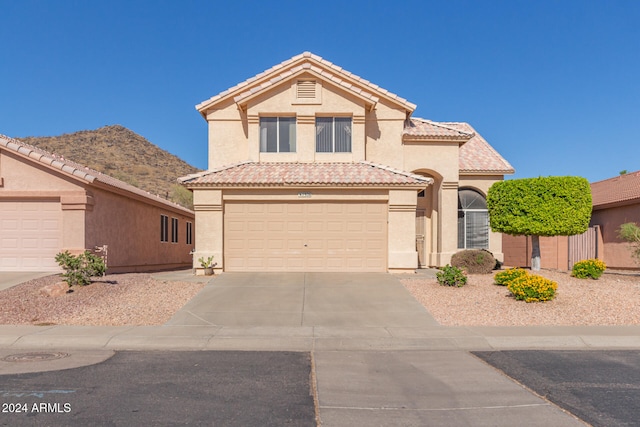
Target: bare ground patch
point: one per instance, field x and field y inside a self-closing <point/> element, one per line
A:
<point x="113" y="300"/>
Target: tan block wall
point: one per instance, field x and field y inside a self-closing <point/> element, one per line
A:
<point x="554" y="251"/>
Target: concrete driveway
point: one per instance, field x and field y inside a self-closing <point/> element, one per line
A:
<point x="304" y="299"/>
<point x="12" y="278"/>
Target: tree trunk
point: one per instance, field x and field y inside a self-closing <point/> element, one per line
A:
<point x="535" y="253"/>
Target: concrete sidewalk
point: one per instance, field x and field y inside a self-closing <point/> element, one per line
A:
<point x="379" y="357"/>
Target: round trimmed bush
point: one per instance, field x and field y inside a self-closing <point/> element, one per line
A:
<point x="592" y="268"/>
<point x="474" y="261"/>
<point x="531" y="288"/>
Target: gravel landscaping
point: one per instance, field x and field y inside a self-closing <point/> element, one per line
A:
<point x="113" y="300"/>
<point x="139" y="299"/>
<point x="613" y="299"/>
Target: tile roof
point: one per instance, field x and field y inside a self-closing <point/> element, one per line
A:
<point x="426" y="128"/>
<point x="77" y="170"/>
<point x="620" y="189"/>
<point x="477" y="155"/>
<point x="308" y="174"/>
<point x="313" y="63"/>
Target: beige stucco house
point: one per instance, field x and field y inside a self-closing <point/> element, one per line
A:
<point x="49" y="204"/>
<point x="312" y="168"/>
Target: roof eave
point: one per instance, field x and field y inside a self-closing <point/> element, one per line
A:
<point x="435" y="138"/>
<point x="486" y="172"/>
<point x="616" y="204"/>
<point x="293" y="186"/>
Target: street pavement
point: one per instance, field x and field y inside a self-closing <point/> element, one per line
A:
<point x="378" y="357"/>
<point x="600" y="387"/>
<point x="215" y="388"/>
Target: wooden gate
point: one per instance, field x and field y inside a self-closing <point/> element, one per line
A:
<point x="584" y="246"/>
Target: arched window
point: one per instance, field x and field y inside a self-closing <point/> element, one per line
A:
<point x="473" y="220"/>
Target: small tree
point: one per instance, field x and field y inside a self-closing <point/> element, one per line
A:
<point x="79" y="269"/>
<point x="545" y="206"/>
<point x="630" y="232"/>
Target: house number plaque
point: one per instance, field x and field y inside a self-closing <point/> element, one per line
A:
<point x="304" y="195"/>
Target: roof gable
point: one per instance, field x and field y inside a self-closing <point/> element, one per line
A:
<point x="76" y="170"/>
<point x="617" y="190"/>
<point x="299" y="64"/>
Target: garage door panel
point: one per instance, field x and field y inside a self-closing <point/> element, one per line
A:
<point x="255" y="244"/>
<point x="277" y="226"/>
<point x="315" y="226"/>
<point x="30" y="235"/>
<point x="336" y="226"/>
<point x="305" y="236"/>
<point x="294" y="208"/>
<point x="295" y="227"/>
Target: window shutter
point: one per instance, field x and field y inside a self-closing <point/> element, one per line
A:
<point x="306" y="89"/>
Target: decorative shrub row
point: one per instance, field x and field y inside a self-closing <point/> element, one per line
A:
<point x="451" y="276"/>
<point x="592" y="268"/>
<point x="474" y="261"/>
<point x="527" y="287"/>
<point x="504" y="277"/>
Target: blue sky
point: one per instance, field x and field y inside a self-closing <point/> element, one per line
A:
<point x="554" y="86"/>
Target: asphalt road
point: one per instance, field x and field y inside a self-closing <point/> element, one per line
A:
<point x="599" y="387"/>
<point x="212" y="388"/>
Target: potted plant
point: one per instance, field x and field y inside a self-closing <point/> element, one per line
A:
<point x="207" y="265"/>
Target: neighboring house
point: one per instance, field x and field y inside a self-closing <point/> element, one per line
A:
<point x="312" y="168"/>
<point x="49" y="204"/>
<point x="615" y="202"/>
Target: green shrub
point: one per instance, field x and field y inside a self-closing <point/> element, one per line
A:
<point x="504" y="277"/>
<point x="474" y="261"/>
<point x="588" y="268"/>
<point x="81" y="268"/>
<point x="451" y="276"/>
<point x="532" y="288"/>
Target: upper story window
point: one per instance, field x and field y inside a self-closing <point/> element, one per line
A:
<point x="333" y="134"/>
<point x="277" y="134"/>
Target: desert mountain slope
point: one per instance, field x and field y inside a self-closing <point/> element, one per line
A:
<point x="122" y="154"/>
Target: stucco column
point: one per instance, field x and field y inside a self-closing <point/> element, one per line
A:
<point x="358" y="138"/>
<point x="447" y="223"/>
<point x="306" y="138"/>
<point x="253" y="123"/>
<point x="74" y="208"/>
<point x="402" y="231"/>
<point x="208" y="207"/>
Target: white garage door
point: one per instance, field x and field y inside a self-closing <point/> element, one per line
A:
<point x="30" y="235"/>
<point x="310" y="236"/>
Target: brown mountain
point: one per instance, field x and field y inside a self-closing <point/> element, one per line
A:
<point x="125" y="155"/>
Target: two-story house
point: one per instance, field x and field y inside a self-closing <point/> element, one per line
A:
<point x="312" y="168"/>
